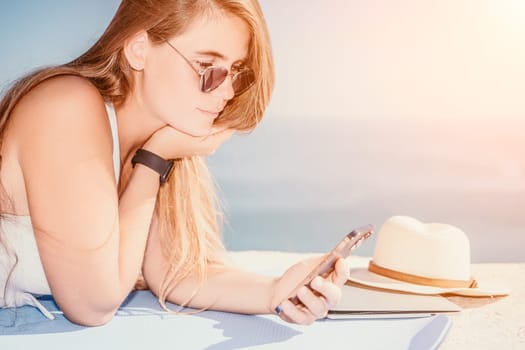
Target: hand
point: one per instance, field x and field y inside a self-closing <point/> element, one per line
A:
<point x="170" y="143"/>
<point x="316" y="299"/>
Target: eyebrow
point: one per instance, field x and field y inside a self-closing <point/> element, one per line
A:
<point x="217" y="55"/>
<point x="211" y="53"/>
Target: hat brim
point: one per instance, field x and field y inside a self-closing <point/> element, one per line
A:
<point x="362" y="276"/>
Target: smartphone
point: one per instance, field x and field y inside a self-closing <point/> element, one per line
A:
<point x="342" y="250"/>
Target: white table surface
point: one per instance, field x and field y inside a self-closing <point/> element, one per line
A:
<point x="484" y="323"/>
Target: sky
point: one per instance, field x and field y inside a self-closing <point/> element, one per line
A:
<point x="432" y="92"/>
<point x="337" y="58"/>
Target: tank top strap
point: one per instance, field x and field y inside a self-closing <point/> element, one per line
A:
<point x="114" y="131"/>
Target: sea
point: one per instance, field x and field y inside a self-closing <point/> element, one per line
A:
<point x="300" y="184"/>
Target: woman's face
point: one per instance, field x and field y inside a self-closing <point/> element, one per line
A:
<point x="171" y="88"/>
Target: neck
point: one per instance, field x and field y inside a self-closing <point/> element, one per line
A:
<point x="135" y="126"/>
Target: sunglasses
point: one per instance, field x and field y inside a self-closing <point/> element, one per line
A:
<point x="212" y="77"/>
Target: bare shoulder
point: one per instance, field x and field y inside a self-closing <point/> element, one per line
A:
<point x="60" y="108"/>
<point x="61" y="141"/>
<point x="66" y="87"/>
<point x="61" y="92"/>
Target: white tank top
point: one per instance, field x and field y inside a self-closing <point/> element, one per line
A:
<point x="27" y="277"/>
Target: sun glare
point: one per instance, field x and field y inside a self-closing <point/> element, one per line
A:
<point x="511" y="14"/>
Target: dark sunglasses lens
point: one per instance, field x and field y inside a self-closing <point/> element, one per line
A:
<point x="212" y="77"/>
<point x="242" y="81"/>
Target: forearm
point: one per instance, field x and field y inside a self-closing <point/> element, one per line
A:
<point x="136" y="207"/>
<point x="227" y="289"/>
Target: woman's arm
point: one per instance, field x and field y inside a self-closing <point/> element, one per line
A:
<point x="233" y="290"/>
<point x="91" y="246"/>
<point x="227" y="289"/>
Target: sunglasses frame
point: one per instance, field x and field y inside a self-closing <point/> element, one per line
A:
<point x="204" y="76"/>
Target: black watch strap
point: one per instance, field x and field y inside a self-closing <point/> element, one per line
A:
<point x="155" y="162"/>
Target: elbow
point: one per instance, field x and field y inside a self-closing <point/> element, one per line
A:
<point x="87" y="305"/>
<point x="90" y="319"/>
<point x="89" y="314"/>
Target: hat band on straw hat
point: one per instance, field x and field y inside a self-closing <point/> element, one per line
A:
<point x="435" y="282"/>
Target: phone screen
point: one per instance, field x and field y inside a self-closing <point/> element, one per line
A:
<point x="342" y="250"/>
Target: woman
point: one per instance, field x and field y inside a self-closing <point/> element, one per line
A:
<point x="103" y="175"/>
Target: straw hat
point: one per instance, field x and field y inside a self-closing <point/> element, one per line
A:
<point x="414" y="257"/>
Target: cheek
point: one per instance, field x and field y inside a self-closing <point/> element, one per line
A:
<point x="171" y="94"/>
<point x="167" y="94"/>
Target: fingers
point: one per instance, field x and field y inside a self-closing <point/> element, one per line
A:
<point x="220" y="132"/>
<point x="217" y="129"/>
<point x="311" y="307"/>
<point x="316" y="300"/>
<point x="330" y="291"/>
<point x="209" y="143"/>
<point x="341" y="272"/>
<point x="316" y="304"/>
<point x="330" y="287"/>
<point x="296" y="313"/>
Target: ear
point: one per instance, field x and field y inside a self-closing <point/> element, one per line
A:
<point x="135" y="50"/>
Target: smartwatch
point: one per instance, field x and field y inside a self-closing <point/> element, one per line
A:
<point x="151" y="160"/>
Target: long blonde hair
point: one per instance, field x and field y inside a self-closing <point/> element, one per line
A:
<point x="187" y="209"/>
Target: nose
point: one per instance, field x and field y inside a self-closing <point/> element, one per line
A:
<point x="225" y="90"/>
